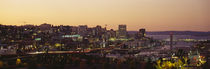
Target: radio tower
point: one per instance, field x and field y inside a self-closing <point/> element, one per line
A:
<point x="105" y="26"/>
<point x="171" y="40"/>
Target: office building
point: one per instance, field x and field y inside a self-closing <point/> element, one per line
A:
<point x="122" y="31"/>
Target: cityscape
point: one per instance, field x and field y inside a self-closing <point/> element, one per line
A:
<point x="95" y="47"/>
<point x="104" y="34"/>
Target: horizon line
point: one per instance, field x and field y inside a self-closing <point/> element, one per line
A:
<point x="109" y="29"/>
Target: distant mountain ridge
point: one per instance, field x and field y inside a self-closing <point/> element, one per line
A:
<point x="194" y="33"/>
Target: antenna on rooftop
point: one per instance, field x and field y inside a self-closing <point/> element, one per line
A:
<point x="105" y="26"/>
<point x="46" y="20"/>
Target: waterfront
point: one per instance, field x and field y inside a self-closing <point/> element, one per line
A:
<point x="104" y="34"/>
<point x="83" y="47"/>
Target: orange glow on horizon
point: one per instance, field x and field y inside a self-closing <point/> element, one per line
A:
<point x="154" y="15"/>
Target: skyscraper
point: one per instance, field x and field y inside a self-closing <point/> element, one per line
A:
<point x="141" y="33"/>
<point x="122" y="31"/>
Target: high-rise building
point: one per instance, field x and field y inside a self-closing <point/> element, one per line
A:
<point x="122" y="31"/>
<point x="111" y="33"/>
<point x="141" y="33"/>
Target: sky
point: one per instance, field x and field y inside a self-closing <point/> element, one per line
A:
<point x="154" y="15"/>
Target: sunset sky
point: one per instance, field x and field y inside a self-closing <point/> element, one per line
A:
<point x="154" y="15"/>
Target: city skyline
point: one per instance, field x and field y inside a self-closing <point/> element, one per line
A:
<point x="171" y="15"/>
<point x="104" y="34"/>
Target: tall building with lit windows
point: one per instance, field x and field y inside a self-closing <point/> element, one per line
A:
<point x="122" y="31"/>
<point x="141" y="33"/>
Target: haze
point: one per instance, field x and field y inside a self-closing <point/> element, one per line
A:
<point x="154" y="15"/>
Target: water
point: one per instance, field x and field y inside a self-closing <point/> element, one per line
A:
<point x="163" y="37"/>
